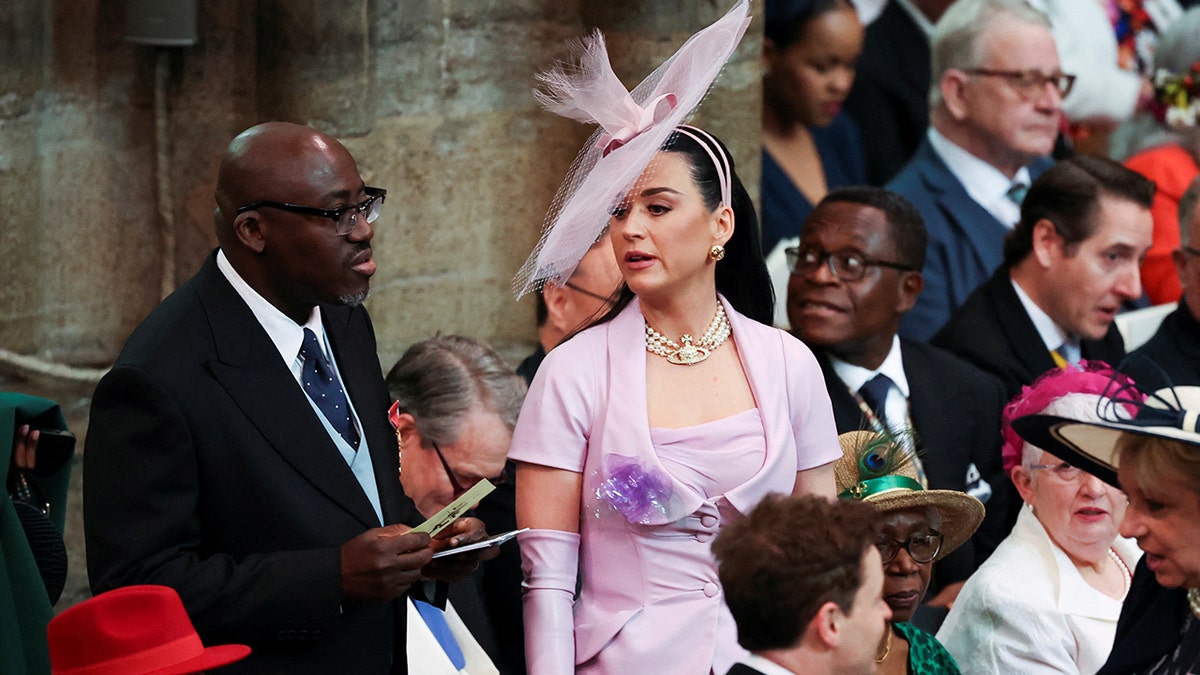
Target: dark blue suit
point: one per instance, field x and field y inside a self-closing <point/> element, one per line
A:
<point x="966" y="243"/>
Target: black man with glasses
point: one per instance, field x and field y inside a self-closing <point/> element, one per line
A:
<point x="995" y="112"/>
<point x="854" y="275"/>
<point x="239" y="449"/>
<point x="1175" y="346"/>
<point x="921" y="526"/>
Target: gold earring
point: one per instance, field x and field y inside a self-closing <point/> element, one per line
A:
<point x="717" y="252"/>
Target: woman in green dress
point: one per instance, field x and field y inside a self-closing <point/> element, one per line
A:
<point x="921" y="526"/>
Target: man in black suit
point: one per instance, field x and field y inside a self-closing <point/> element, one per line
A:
<point x="1068" y="267"/>
<point x="890" y="97"/>
<point x="1174" y="350"/>
<point x="856" y="272"/>
<point x="804" y="582"/>
<point x="239" y="450"/>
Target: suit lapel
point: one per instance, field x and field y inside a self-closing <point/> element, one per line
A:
<point x="970" y="220"/>
<point x="1028" y="349"/>
<point x="249" y="368"/>
<point x="846" y="413"/>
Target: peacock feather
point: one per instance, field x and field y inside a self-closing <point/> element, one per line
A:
<point x="883" y="454"/>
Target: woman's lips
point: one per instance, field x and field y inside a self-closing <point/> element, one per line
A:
<point x="637" y="260"/>
<point x="903" y="598"/>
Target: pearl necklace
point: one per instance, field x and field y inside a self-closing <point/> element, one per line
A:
<point x="1127" y="576"/>
<point x="691" y="351"/>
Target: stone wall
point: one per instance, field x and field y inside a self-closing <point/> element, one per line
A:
<point x="108" y="148"/>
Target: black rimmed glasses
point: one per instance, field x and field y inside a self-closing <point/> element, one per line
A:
<point x="584" y="291"/>
<point x="922" y="547"/>
<point x="1029" y="82"/>
<point x="345" y="218"/>
<point x="1062" y="471"/>
<point x="847" y="266"/>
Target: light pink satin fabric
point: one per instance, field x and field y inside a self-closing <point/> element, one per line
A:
<point x="650" y="599"/>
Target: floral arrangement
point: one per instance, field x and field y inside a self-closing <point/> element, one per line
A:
<point x="1177" y="97"/>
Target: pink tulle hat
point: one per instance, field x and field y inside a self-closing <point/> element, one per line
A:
<point x="633" y="126"/>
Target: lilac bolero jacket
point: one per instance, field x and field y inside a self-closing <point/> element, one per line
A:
<point x="650" y="598"/>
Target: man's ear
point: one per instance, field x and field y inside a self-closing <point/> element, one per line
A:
<point x="248" y="229"/>
<point x="406" y="430"/>
<point x="953" y="86"/>
<point x="770" y="55"/>
<point x="1047" y="243"/>
<point x="911" y="285"/>
<point x="826" y="625"/>
<point x="555" y="296"/>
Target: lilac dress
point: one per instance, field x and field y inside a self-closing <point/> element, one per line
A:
<point x="653" y="499"/>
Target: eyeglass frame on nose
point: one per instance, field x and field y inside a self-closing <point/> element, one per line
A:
<point x="894" y="545"/>
<point x="454" y="484"/>
<point x="1027" y="82"/>
<point x="1058" y="470"/>
<point x="595" y="296"/>
<point x="371" y="206"/>
<point x="828" y="258"/>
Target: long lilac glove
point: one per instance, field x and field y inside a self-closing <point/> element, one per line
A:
<point x="550" y="562"/>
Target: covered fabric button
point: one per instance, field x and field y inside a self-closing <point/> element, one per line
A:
<point x="711" y="590"/>
<point x="708" y="520"/>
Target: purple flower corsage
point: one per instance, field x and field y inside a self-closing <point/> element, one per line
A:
<point x="632" y="489"/>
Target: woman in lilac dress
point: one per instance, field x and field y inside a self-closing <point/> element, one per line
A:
<point x="638" y="441"/>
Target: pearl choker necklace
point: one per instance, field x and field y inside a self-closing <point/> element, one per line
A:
<point x="1127" y="576"/>
<point x="691" y="351"/>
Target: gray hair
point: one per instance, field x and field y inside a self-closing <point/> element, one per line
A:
<point x="1187" y="206"/>
<point x="439" y="380"/>
<point x="1076" y="406"/>
<point x="958" y="37"/>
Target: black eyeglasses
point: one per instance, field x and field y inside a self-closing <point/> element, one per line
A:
<point x="454" y="484"/>
<point x="1190" y="251"/>
<point x="345" y="218"/>
<point x="1029" y="83"/>
<point x="595" y="296"/>
<point x="922" y="547"/>
<point x="844" y="265"/>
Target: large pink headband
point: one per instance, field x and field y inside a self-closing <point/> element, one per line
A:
<point x="721" y="163"/>
<point x="633" y="125"/>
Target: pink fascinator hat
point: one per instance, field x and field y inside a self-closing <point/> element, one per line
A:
<point x="633" y="125"/>
<point x="1094" y="379"/>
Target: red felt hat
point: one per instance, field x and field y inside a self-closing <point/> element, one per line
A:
<point x="136" y="630"/>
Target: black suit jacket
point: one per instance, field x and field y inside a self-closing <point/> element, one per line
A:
<point x="208" y="471"/>
<point x="1175" y="348"/>
<point x="993" y="331"/>
<point x="743" y="669"/>
<point x="890" y="97"/>
<point x="955" y="411"/>
<point x="1151" y="620"/>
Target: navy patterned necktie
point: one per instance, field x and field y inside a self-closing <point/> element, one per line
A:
<point x="875" y="393"/>
<point x="323" y="387"/>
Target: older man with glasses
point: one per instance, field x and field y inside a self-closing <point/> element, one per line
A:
<point x="456" y="405"/>
<point x="239" y="449"/>
<point x="995" y="112"/>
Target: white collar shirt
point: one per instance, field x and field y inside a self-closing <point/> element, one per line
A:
<point x="985" y="184"/>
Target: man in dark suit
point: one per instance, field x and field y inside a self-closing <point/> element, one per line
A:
<point x="994" y="112"/>
<point x="857" y="272"/>
<point x="239" y="450"/>
<point x="804" y="582"/>
<point x="1068" y="267"/>
<point x="890" y="97"/>
<point x="1174" y="350"/>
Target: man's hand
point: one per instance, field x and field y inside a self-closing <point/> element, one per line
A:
<point x="457" y="567"/>
<point x="380" y="564"/>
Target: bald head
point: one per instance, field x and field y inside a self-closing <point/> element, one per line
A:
<point x="275" y="161"/>
<point x="293" y="257"/>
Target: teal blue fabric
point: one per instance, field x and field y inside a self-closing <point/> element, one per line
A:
<point x="25" y="608"/>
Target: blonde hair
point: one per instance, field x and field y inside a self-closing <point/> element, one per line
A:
<point x="1156" y="460"/>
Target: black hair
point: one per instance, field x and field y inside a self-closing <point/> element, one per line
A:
<point x="1068" y="195"/>
<point x="787" y="19"/>
<point x="906" y="227"/>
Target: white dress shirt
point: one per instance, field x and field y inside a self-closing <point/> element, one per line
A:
<point x="983" y="182"/>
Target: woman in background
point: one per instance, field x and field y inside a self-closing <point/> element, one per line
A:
<point x="1048" y="598"/>
<point x="810" y="145"/>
